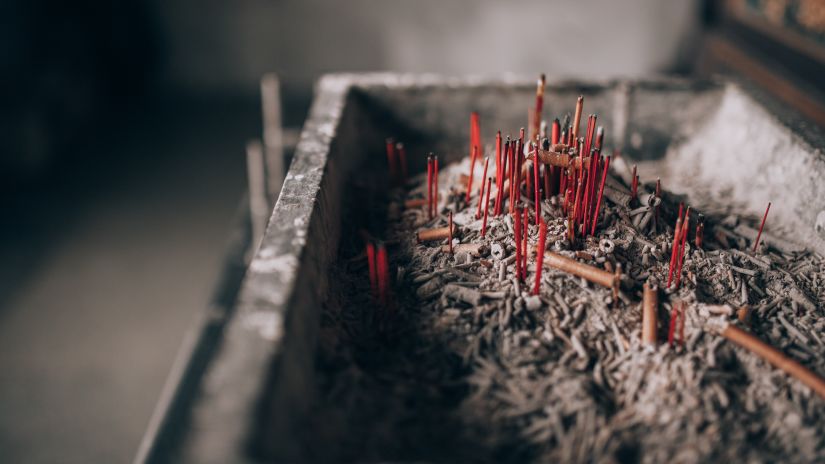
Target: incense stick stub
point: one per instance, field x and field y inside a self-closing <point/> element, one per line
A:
<point x="775" y="357"/>
<point x="439" y="233"/>
<point x="650" y="311"/>
<point x="589" y="273"/>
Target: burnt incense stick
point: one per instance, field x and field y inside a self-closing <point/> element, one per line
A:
<point x="775" y="357"/>
<point x="589" y="273"/>
<point x="402" y="160"/>
<point x="761" y="226"/>
<point x="574" y="134"/>
<point x="700" y="231"/>
<point x="650" y="311"/>
<point x="438" y="233"/>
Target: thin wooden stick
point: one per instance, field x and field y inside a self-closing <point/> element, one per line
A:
<point x="775" y="357"/>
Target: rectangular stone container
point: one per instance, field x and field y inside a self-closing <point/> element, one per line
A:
<point x="236" y="402"/>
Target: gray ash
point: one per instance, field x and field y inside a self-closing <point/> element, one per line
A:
<point x="562" y="376"/>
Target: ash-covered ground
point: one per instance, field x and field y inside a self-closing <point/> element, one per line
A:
<point x="563" y="375"/>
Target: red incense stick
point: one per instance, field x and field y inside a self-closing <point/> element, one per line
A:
<point x="486" y="208"/>
<point x="450" y="238"/>
<point x="685" y="227"/>
<point x="435" y="186"/>
<point x="539" y="105"/>
<point x="601" y="194"/>
<point x="402" y="159"/>
<point x="383" y="275"/>
<point x="472" y="171"/>
<point x="430" y="186"/>
<point x="481" y="189"/>
<point x="536" y="183"/>
<point x="677" y="234"/>
<point x="517" y="240"/>
<point x="391" y="160"/>
<point x="555" y="132"/>
<point x="761" y="226"/>
<point x="540" y="255"/>
<point x="372" y="270"/>
<point x="634" y="184"/>
<point x="524" y="223"/>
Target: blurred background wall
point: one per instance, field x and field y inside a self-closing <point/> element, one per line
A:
<point x="122" y="129"/>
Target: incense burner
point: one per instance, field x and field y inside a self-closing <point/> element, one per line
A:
<point x="720" y="137"/>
